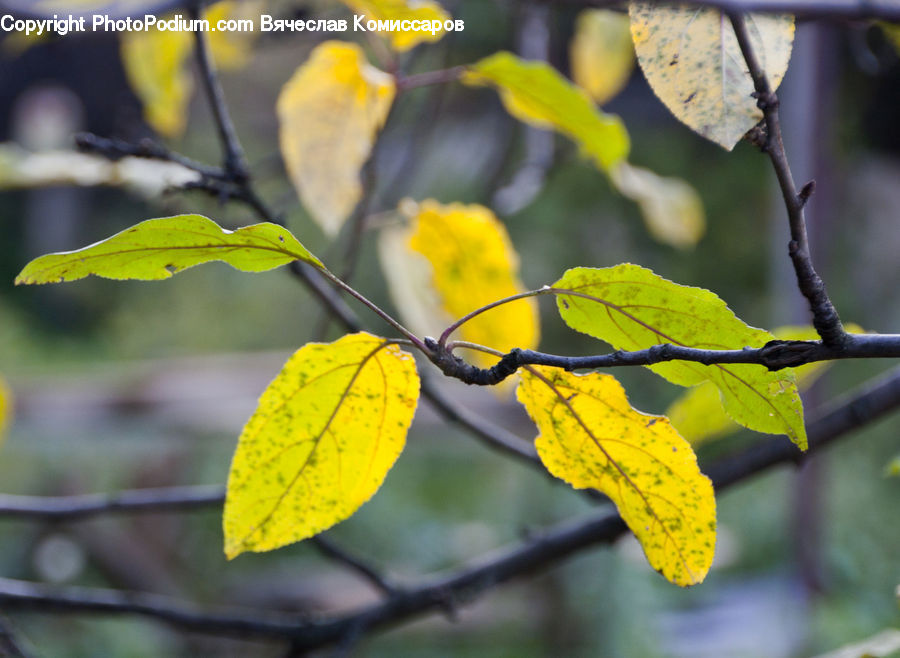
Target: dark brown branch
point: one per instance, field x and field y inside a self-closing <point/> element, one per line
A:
<point x="465" y="584"/>
<point x="774" y="355"/>
<point x="334" y="552"/>
<point x="825" y="317"/>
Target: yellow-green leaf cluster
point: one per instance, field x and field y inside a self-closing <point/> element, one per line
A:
<point x="672" y="209"/>
<point x="601" y="53"/>
<point x="591" y="437"/>
<point x="698" y="415"/>
<point x="402" y="10"/>
<point x="6" y="408"/>
<point x="536" y="93"/>
<point x="472" y="264"/>
<point x="158" y="248"/>
<point x="691" y="58"/>
<point x="329" y="113"/>
<point x="632" y="308"/>
<point x="326" y="431"/>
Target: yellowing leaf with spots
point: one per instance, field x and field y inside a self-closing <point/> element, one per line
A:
<point x="156" y="64"/>
<point x="329" y="113"/>
<point x="403" y="10"/>
<point x="473" y="263"/>
<point x="698" y="415"/>
<point x="591" y="437"/>
<point x="691" y="58"/>
<point x="6" y="408"/>
<point x="159" y="248"/>
<point x="536" y="93"/>
<point x="326" y="431"/>
<point x="672" y="209"/>
<point x="601" y="53"/>
<point x="631" y="308"/>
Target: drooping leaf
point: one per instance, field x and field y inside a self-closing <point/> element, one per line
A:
<point x="473" y="263"/>
<point x="6" y="408"/>
<point x="691" y="58"/>
<point x="631" y="308"/>
<point x="698" y="415"/>
<point x="672" y="209"/>
<point x="155" y="63"/>
<point x="158" y="248"/>
<point x="536" y="93"/>
<point x="590" y="436"/>
<point x="326" y="431"/>
<point x="402" y="10"/>
<point x="329" y="113"/>
<point x="601" y="53"/>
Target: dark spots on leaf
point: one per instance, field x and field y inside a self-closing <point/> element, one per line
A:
<point x="674" y="60"/>
<point x="652" y="422"/>
<point x="690" y="98"/>
<point x="565" y="304"/>
<point x="280" y="238"/>
<point x="171" y="269"/>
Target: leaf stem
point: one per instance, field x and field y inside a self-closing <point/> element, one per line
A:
<point x="437" y="77"/>
<point x="546" y="290"/>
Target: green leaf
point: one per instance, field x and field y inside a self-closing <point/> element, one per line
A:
<point x="536" y="93"/>
<point x="326" y="431"/>
<point x="158" y="248"/>
<point x="693" y="63"/>
<point x="590" y="436"/>
<point x="631" y="308"/>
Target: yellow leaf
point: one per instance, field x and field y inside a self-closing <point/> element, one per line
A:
<point x="892" y="32"/>
<point x="326" y="431"/>
<point x="698" y="415"/>
<point x="6" y="408"/>
<point x="672" y="209"/>
<point x="158" y="248"/>
<point x="402" y="10"/>
<point x="601" y="53"/>
<point x="591" y="437"/>
<point x="329" y="113"/>
<point x="473" y="263"/>
<point x="632" y="308"/>
<point x="692" y="60"/>
<point x="155" y="63"/>
<point x="231" y="49"/>
<point x="534" y="92"/>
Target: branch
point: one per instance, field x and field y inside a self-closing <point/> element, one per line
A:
<point x="467" y="583"/>
<point x="811" y="9"/>
<point x="825" y="317"/>
<point x="334" y="552"/>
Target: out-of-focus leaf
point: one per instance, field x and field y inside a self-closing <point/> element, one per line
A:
<point x="631" y="308"/>
<point x="590" y="436"/>
<point x="892" y="469"/>
<point x="691" y="58"/>
<point x="402" y="10"/>
<point x="156" y="65"/>
<point x="232" y="49"/>
<point x="535" y="92"/>
<point x="601" y="53"/>
<point x="326" y="431"/>
<point x="112" y="8"/>
<point x="698" y="415"/>
<point x="159" y="248"/>
<point x="6" y="408"/>
<point x="672" y="209"/>
<point x="330" y="112"/>
<point x="892" y="32"/>
<point x="23" y="169"/>
<point x="473" y="263"/>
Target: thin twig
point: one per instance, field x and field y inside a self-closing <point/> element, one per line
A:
<point x="825" y="317"/>
<point x="470" y="581"/>
<point x="331" y="550"/>
<point x="437" y="77"/>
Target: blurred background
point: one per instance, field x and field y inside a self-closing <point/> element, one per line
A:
<point x="122" y="385"/>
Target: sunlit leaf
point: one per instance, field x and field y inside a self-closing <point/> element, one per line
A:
<point x="6" y="408"/>
<point x="330" y="112"/>
<point x="590" y="436"/>
<point x="698" y="415"/>
<point x="155" y="63"/>
<point x="473" y="263"/>
<point x="632" y="308"/>
<point x="326" y="431"/>
<point x="400" y="10"/>
<point x="672" y="209"/>
<point x="601" y="53"/>
<point x="159" y="248"/>
<point x="536" y="93"/>
<point x="691" y="58"/>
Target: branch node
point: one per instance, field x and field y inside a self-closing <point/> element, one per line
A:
<point x="806" y="192"/>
